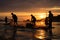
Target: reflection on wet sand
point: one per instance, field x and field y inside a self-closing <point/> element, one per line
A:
<point x="27" y="33"/>
<point x="38" y="24"/>
<point x="40" y="34"/>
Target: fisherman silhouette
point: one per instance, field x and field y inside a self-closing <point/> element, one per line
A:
<point x="33" y="19"/>
<point x="50" y="19"/>
<point x="14" y="18"/>
<point x="50" y="23"/>
<point x="6" y="19"/>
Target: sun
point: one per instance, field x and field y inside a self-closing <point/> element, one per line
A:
<point x="42" y="16"/>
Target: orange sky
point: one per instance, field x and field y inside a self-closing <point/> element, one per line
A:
<point x="26" y="15"/>
<point x="39" y="13"/>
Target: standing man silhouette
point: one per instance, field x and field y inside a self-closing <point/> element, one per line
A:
<point x="14" y="18"/>
<point x="33" y="19"/>
<point x="6" y="19"/>
<point x="50" y="19"/>
<point x="15" y="25"/>
<point x="50" y="23"/>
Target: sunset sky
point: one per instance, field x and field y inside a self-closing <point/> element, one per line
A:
<point x="40" y="7"/>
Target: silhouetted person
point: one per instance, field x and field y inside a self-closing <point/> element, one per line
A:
<point x="50" y="19"/>
<point x="50" y="22"/>
<point x="14" y="18"/>
<point x="6" y="20"/>
<point x="33" y="19"/>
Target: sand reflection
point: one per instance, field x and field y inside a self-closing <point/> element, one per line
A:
<point x="40" y="34"/>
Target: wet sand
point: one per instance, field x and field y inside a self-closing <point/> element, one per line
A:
<point x="6" y="31"/>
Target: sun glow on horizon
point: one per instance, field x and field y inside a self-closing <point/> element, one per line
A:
<point x="42" y="15"/>
<point x="24" y="15"/>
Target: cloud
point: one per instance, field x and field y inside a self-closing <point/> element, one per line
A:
<point x="26" y="5"/>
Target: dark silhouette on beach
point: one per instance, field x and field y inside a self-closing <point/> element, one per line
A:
<point x="32" y="23"/>
<point x="14" y="26"/>
<point x="33" y="19"/>
<point x="6" y="19"/>
<point x="46" y="23"/>
<point x="50" y="19"/>
<point x="50" y="22"/>
<point x="29" y="25"/>
<point x="14" y="18"/>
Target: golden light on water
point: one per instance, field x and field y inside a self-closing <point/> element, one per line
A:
<point x="38" y="24"/>
<point x="40" y="34"/>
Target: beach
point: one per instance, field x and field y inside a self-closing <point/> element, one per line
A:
<point x="6" y="31"/>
